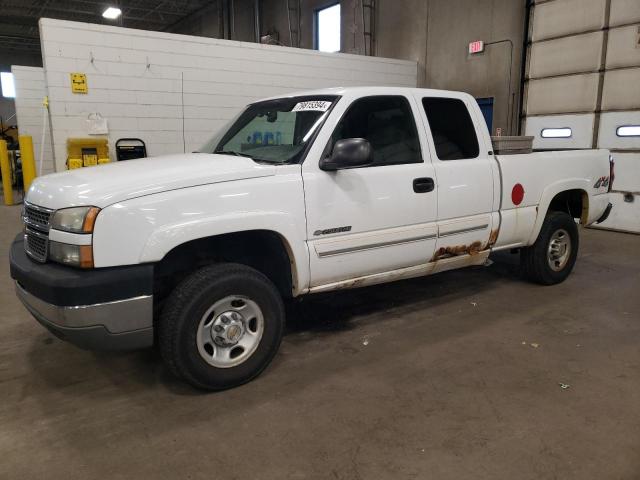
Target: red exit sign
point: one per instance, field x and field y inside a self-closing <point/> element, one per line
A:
<point x="476" y="47"/>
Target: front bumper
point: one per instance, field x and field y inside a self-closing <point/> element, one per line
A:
<point x="101" y="309"/>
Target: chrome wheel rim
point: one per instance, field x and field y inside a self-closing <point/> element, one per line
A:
<point x="559" y="250"/>
<point x="230" y="331"/>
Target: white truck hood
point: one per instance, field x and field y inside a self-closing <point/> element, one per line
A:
<point x="104" y="185"/>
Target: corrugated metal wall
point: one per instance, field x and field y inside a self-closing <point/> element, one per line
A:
<point x="583" y="74"/>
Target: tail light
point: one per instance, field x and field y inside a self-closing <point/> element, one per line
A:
<point x="612" y="173"/>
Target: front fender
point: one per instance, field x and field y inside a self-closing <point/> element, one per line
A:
<point x="165" y="239"/>
<point x="145" y="229"/>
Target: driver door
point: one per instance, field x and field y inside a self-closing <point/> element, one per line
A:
<point x="375" y="218"/>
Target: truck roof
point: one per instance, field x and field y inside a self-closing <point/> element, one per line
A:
<point x="372" y="90"/>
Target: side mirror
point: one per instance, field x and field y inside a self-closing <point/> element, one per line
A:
<point x="348" y="153"/>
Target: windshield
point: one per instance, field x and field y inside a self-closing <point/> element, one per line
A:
<point x="274" y="131"/>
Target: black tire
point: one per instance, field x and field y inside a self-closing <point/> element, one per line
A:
<point x="534" y="260"/>
<point x="183" y="312"/>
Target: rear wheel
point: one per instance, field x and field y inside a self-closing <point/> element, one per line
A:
<point x="551" y="258"/>
<point x="221" y="326"/>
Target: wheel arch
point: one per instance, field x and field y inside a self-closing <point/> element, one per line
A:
<point x="267" y="251"/>
<point x="570" y="197"/>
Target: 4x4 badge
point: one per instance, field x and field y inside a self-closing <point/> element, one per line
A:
<point x="602" y="182"/>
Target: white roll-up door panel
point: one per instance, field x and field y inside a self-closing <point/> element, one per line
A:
<point x="623" y="49"/>
<point x="581" y="131"/>
<point x="550" y="57"/>
<point x="567" y="94"/>
<point x="617" y="128"/>
<point x="627" y="171"/>
<point x="624" y="12"/>
<point x="621" y="89"/>
<point x="564" y="17"/>
<point x="625" y="214"/>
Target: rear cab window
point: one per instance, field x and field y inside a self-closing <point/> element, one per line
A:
<point x="454" y="135"/>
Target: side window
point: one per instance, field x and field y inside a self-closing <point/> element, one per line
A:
<point x="452" y="128"/>
<point x="387" y="123"/>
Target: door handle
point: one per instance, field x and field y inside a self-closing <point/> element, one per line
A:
<point x="423" y="185"/>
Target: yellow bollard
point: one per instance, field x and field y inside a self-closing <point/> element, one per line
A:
<point x="28" y="161"/>
<point x="5" y="168"/>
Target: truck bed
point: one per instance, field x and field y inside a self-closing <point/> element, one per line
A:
<point x="537" y="178"/>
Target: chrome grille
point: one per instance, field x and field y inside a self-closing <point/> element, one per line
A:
<point x="37" y="217"/>
<point x="36" y="244"/>
<point x="36" y="231"/>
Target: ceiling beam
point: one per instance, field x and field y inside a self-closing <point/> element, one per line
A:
<point x="88" y="16"/>
<point x="189" y="16"/>
<point x="18" y="20"/>
<point x="98" y="7"/>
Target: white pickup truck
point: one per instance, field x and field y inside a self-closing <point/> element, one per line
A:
<point x="306" y="193"/>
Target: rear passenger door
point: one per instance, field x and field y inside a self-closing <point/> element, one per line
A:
<point x="376" y="218"/>
<point x="465" y="176"/>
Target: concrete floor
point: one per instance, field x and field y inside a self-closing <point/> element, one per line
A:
<point x="430" y="378"/>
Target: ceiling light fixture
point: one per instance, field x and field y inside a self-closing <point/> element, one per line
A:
<point x="112" y="13"/>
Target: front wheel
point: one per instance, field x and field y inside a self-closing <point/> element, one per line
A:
<point x="551" y="258"/>
<point x="221" y="326"/>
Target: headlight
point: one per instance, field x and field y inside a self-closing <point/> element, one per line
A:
<point x="73" y="255"/>
<point x="75" y="219"/>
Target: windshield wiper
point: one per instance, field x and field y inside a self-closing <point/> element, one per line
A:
<point x="270" y="162"/>
<point x="255" y="159"/>
<point x="231" y="152"/>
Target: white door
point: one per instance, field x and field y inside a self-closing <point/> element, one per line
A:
<point x="465" y="175"/>
<point x="376" y="218"/>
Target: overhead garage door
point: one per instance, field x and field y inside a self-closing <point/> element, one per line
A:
<point x="583" y="88"/>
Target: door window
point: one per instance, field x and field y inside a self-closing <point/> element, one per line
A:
<point x="387" y="123"/>
<point x="453" y="132"/>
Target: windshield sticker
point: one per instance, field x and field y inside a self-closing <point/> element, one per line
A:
<point x="312" y="106"/>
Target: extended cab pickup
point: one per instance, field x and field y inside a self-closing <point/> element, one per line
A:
<point x="305" y="193"/>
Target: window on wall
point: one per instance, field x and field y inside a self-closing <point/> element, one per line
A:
<point x="8" y="87"/>
<point x="328" y="29"/>
<point x="564" y="132"/>
<point x="628" y="131"/>
<point x="453" y="132"/>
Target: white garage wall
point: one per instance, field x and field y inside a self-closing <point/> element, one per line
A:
<point x="583" y="72"/>
<point x="143" y="81"/>
<point x="30" y="93"/>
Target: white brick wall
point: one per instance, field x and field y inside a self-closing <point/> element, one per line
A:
<point x="135" y="81"/>
<point x="30" y="92"/>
